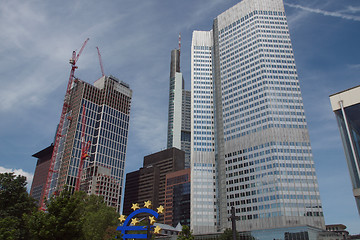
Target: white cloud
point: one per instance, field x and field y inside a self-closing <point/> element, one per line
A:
<point x="296" y="19"/>
<point x="354" y="66"/>
<point x="351" y="9"/>
<point x="327" y="13"/>
<point x="29" y="176"/>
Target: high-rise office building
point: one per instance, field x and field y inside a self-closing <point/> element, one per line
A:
<point x="41" y="172"/>
<point x="346" y="106"/>
<point x="141" y="186"/>
<point x="177" y="198"/>
<point x="250" y="146"/>
<point x="179" y="109"/>
<point x="149" y="182"/>
<point x="106" y="109"/>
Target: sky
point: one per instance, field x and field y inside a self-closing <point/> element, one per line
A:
<point x="135" y="39"/>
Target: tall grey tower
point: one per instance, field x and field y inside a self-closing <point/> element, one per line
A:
<point x="250" y="145"/>
<point x="179" y="109"/>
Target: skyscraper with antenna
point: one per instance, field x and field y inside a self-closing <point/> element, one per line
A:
<point x="179" y="108"/>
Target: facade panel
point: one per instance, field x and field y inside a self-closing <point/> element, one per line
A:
<point x="177" y="198"/>
<point x="149" y="182"/>
<point x="263" y="159"/>
<point x="346" y="106"/>
<point x="41" y="172"/>
<point x="106" y="109"/>
<point x="179" y="109"/>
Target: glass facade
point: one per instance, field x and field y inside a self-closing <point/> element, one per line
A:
<point x="203" y="195"/>
<point x="179" y="109"/>
<point x="346" y="106"/>
<point x="177" y="198"/>
<point x="263" y="159"/>
<point x="106" y="109"/>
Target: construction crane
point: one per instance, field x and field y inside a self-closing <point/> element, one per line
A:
<point x="101" y="65"/>
<point x="58" y="136"/>
<point x="84" y="150"/>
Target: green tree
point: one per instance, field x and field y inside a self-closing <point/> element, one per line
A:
<point x="185" y="234"/>
<point x="97" y="218"/>
<point x="63" y="219"/>
<point x="14" y="202"/>
<point x="228" y="235"/>
<point x="73" y="216"/>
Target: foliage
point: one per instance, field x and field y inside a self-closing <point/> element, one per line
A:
<point x="68" y="216"/>
<point x="62" y="219"/>
<point x="112" y="234"/>
<point x="73" y="216"/>
<point x="185" y="234"/>
<point x="228" y="235"/>
<point x="97" y="218"/>
<point x="14" y="202"/>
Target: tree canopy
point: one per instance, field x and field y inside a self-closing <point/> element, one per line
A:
<point x="185" y="234"/>
<point x="68" y="216"/>
<point x="73" y="216"/>
<point x="14" y="202"/>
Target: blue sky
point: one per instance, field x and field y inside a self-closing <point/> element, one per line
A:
<point x="135" y="39"/>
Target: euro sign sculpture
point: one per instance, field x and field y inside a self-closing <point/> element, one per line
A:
<point x="126" y="226"/>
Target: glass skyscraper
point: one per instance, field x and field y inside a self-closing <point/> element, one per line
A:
<point x="346" y="106"/>
<point x="250" y="145"/>
<point x="106" y="107"/>
<point x="179" y="109"/>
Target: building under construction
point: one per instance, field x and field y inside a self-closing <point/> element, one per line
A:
<point x="102" y="112"/>
<point x="91" y="139"/>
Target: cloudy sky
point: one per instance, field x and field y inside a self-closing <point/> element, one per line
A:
<point x="135" y="39"/>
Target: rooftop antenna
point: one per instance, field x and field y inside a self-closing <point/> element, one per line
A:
<point x="179" y="48"/>
<point x="179" y="42"/>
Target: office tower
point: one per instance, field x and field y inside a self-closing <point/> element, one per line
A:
<point x="179" y="109"/>
<point x="346" y="106"/>
<point x="41" y="171"/>
<point x="177" y="198"/>
<point x="105" y="110"/>
<point x="97" y="180"/>
<point x="148" y="183"/>
<point x="141" y="186"/>
<point x="250" y="145"/>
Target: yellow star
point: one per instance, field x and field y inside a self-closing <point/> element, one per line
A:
<point x="147" y="204"/>
<point x="134" y="221"/>
<point x="157" y="229"/>
<point x="122" y="218"/>
<point x="160" y="209"/>
<point x="135" y="206"/>
<point x="152" y="219"/>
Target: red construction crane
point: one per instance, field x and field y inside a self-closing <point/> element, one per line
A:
<point x="101" y="65"/>
<point x="58" y="136"/>
<point x="84" y="150"/>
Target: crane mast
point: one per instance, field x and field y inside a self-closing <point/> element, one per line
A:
<point x="101" y="65"/>
<point x="65" y="109"/>
<point x="84" y="150"/>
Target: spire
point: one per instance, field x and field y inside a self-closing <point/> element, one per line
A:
<point x="179" y="42"/>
